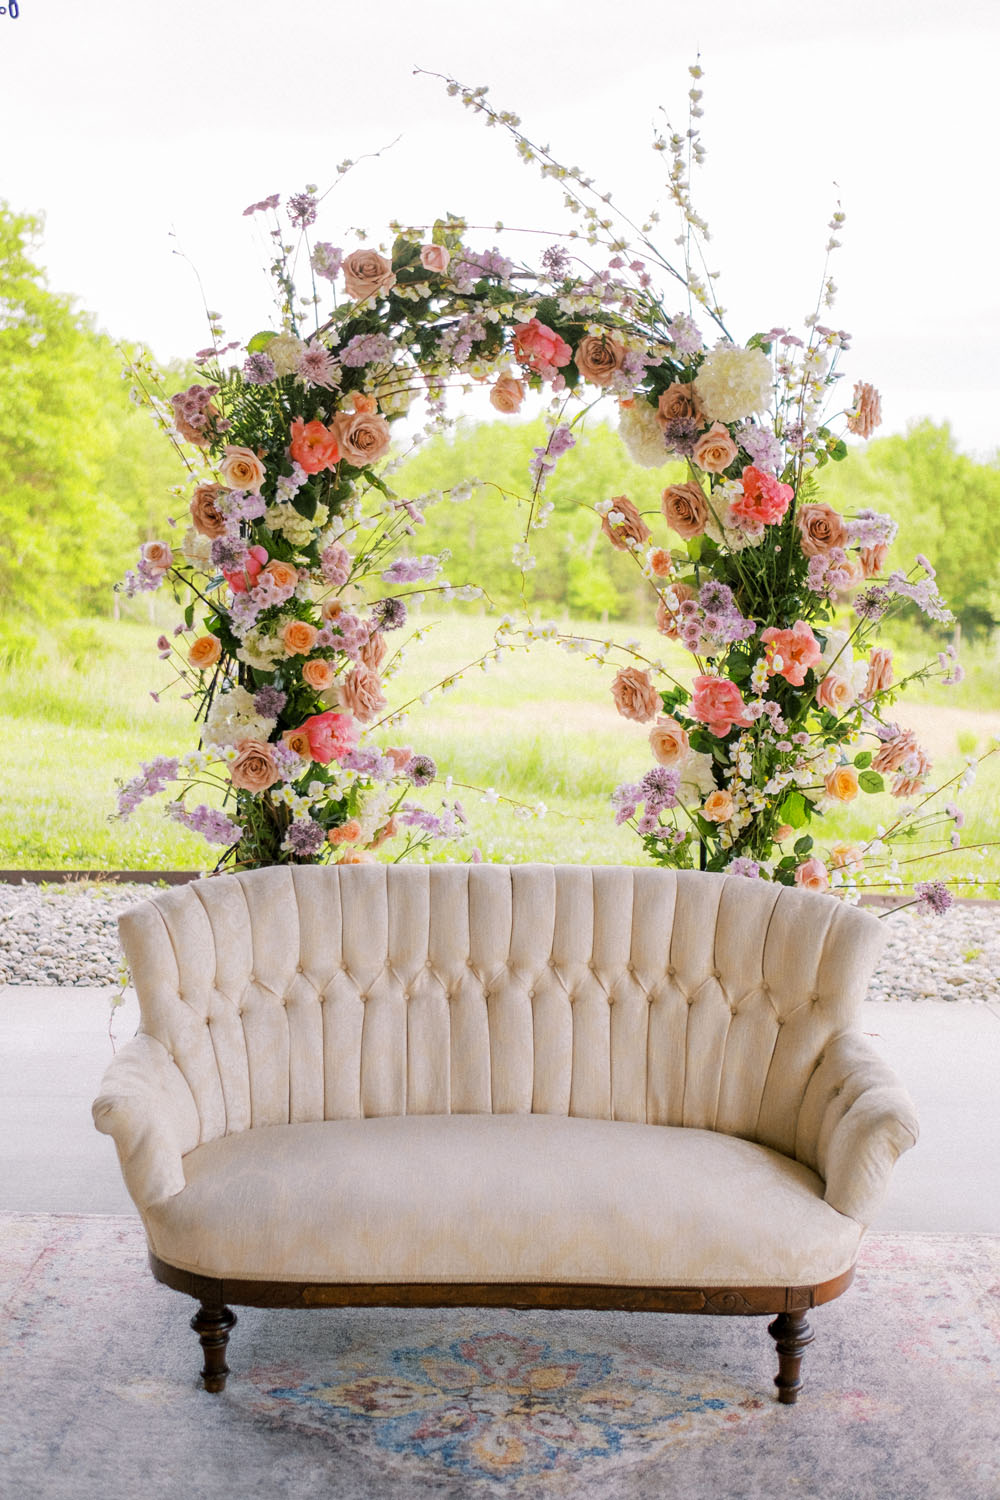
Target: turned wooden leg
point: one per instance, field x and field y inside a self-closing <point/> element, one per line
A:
<point x="792" y="1335"/>
<point x="212" y="1323"/>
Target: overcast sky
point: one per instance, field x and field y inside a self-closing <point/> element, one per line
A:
<point x="137" y="127"/>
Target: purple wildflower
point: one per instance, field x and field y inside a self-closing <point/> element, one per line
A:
<point x="561" y="441"/>
<point x="871" y="604"/>
<point x="555" y="262"/>
<point x="749" y="868"/>
<point x="259" y="369"/>
<point x="153" y="777"/>
<point x="389" y="614"/>
<point x="659" y="788"/>
<point x="933" y="897"/>
<point x="421" y="770"/>
<point x="211" y="824"/>
<point x="369" y="762"/>
<point x="472" y="266"/>
<point x="335" y="562"/>
<point x="327" y="260"/>
<point x="263" y="205"/>
<point x="679" y="435"/>
<point x="683" y="333"/>
<point x="870" y="528"/>
<point x="304" y="838"/>
<point x="289" y="765"/>
<point x="412" y="569"/>
<point x="229" y="552"/>
<point x="269" y="700"/>
<point x="828" y="572"/>
<point x="762" y="447"/>
<point x="350" y="635"/>
<point x="302" y="209"/>
<point x="368" y="349"/>
<point x="925" y="596"/>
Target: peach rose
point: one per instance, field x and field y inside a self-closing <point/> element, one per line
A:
<point x="360" y="401"/>
<point x="835" y="694"/>
<point x="714" y="450"/>
<point x="298" y="742"/>
<point x="284" y="575"/>
<point x="364" y="437"/>
<point x="205" y="652"/>
<point x="895" y="751"/>
<point x="352" y="856"/>
<point x="631" y="528"/>
<point x="206" y="517"/>
<point x="158" y="556"/>
<point x="820" y="528"/>
<point x="812" y="876"/>
<point x="507" y="395"/>
<point x="361" y="694"/>
<point x="597" y="358"/>
<point x="678" y="403"/>
<point x="783" y="832"/>
<point x="669" y="743"/>
<point x="667" y="619"/>
<point x="913" y="774"/>
<point x="313" y="446"/>
<point x="374" y="650"/>
<point x="873" y="558"/>
<point x="384" y="834"/>
<point x="634" y="694"/>
<point x="847" y="857"/>
<point x="435" y="258"/>
<point x="241" y="469"/>
<point x="659" y="562"/>
<point x="366" y="273"/>
<point x="318" y="674"/>
<point x="298" y="637"/>
<point x="841" y="783"/>
<point x="685" y="508"/>
<point x="879" y="677"/>
<point x="400" y="755"/>
<point x="866" y="412"/>
<point x="347" y="833"/>
<point x="253" y="770"/>
<point x="332" y="610"/>
<point x="718" y="807"/>
<point x="717" y="703"/>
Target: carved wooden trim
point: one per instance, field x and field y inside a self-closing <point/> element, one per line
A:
<point x="740" y="1301"/>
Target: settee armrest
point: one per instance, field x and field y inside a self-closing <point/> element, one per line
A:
<point x="866" y="1121"/>
<point x="146" y="1106"/>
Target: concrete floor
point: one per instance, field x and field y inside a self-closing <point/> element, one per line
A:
<point x="55" y="1044"/>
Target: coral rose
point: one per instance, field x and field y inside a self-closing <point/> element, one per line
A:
<point x="539" y="347"/>
<point x="367" y="273"/>
<point x="685" y="508"/>
<point x="630" y="529"/>
<point x="284" y="575"/>
<point x="206" y="517"/>
<point x="205" y="652"/>
<point x="812" y="876"/>
<point x="718" y="704"/>
<point x="364" y="437"/>
<point x="347" y="833"/>
<point x="313" y="446"/>
<point x="298" y="637"/>
<point x="634" y="694"/>
<point x="361" y="693"/>
<point x="597" y="358"/>
<point x="718" y="807"/>
<point x="820" y="528"/>
<point x="797" y="648"/>
<point x="668" y="620"/>
<point x="764" y="498"/>
<point x="714" y="450"/>
<point x="253" y="770"/>
<point x="678" y="403"/>
<point x="879" y="677"/>
<point x="330" y="735"/>
<point x="434" y="258"/>
<point x="669" y="743"/>
<point x="659" y="562"/>
<point x="318" y="674"/>
<point x="241" y="579"/>
<point x="241" y="469"/>
<point x="841" y="783"/>
<point x="835" y="694"/>
<point x="507" y="395"/>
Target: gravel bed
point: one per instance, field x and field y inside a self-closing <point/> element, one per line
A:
<point x="67" y="935"/>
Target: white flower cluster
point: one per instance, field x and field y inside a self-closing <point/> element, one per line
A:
<point x="734" y="383"/>
<point x="233" y="717"/>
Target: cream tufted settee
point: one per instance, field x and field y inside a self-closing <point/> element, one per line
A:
<point x="525" y="1086"/>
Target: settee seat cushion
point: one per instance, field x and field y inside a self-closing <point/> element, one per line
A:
<point x="500" y="1198"/>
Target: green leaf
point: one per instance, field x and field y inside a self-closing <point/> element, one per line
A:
<point x="794" y="810"/>
<point x="838" y="451"/>
<point x="189" y="615"/>
<point x="694" y="548"/>
<point x="674" y="698"/>
<point x="864" y="760"/>
<point x="803" y="845"/>
<point x="260" y="341"/>
<point x="871" y="781"/>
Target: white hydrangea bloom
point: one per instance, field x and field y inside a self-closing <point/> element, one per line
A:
<point x="197" y="550"/>
<point x="734" y="383"/>
<point x="261" y="650"/>
<point x="641" y="433"/>
<point x="233" y="717"/>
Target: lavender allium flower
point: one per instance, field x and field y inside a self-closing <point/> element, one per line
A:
<point x="302" y="210"/>
<point x="389" y="614"/>
<point x="368" y="349"/>
<point x="259" y="369"/>
<point x="421" y="770"/>
<point x="679" y="436"/>
<point x="933" y="897"/>
<point x="411" y="569"/>
<point x="304" y="838"/>
<point x="326" y="260"/>
<point x="268" y="701"/>
<point x="871" y="604"/>
<point x="556" y="262"/>
<point x="659" y="789"/>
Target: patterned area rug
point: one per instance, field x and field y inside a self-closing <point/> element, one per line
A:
<point x="99" y="1397"/>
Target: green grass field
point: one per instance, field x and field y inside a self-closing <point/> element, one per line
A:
<point x="538" y="726"/>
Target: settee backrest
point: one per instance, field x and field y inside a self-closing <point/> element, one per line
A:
<point x="678" y="998"/>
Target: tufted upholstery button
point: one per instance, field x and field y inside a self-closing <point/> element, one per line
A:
<point x="208" y="1020"/>
<point x="298" y="969"/>
<point x="813" y="998"/>
<point x="716" y="974"/>
<point x="671" y="971"/>
<point x="531" y="994"/>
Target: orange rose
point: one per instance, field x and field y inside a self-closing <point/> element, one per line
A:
<point x="253" y="770"/>
<point x="598" y="357"/>
<point x="332" y="610"/>
<point x="714" y="450"/>
<point x="298" y="637"/>
<point x="669" y="743"/>
<point x="206" y="517"/>
<point x="359" y="401"/>
<point x="366" y="273"/>
<point x="660" y="563"/>
<point x="685" y="508"/>
<point x="241" y="469"/>
<point x="347" y="833"/>
<point x="318" y="674"/>
<point x="298" y="742"/>
<point x="678" y="403"/>
<point x="205" y="652"/>
<point x="284" y="575"/>
<point x="718" y="807"/>
<point x="847" y="857"/>
<point x="820" y="528"/>
<point x="363" y="437"/>
<point x="873" y="558"/>
<point x="631" y="528"/>
<point x="634" y="694"/>
<point x="507" y="395"/>
<point x="841" y="783"/>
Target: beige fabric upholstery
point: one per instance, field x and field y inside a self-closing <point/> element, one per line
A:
<point x="642" y="997"/>
<point x="507" y="1198"/>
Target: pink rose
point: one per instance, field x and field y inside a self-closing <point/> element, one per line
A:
<point x="669" y="743"/>
<point x="718" y="704"/>
<point x="812" y="876"/>
<point x="879" y="672"/>
<point x="631" y="528"/>
<point x="361" y="693"/>
<point x="820" y="528"/>
<point x="540" y="348"/>
<point x="434" y="257"/>
<point x="634" y="694"/>
<point x="895" y="751"/>
<point x="331" y="735"/>
<point x="507" y="395"/>
<point x="714" y="450"/>
<point x="835" y="694"/>
<point x="798" y="650"/>
<point x="241" y="579"/>
<point x="158" y="557"/>
<point x="253" y="770"/>
<point x="764" y="499"/>
<point x="366" y="272"/>
<point x="374" y="650"/>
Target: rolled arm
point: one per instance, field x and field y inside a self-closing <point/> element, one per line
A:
<point x="867" y="1121"/>
<point x="146" y="1106"/>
